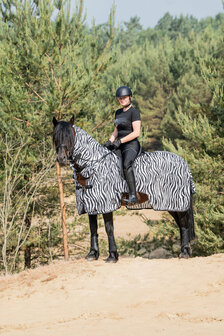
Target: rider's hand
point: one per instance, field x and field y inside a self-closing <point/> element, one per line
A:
<point x="108" y="144"/>
<point x="116" y="143"/>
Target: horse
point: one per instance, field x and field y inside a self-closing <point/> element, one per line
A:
<point x="163" y="182"/>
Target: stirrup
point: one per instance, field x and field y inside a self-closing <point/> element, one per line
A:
<point x="133" y="199"/>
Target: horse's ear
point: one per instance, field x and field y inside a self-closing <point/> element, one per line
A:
<point x="71" y="121"/>
<point x="55" y="121"/>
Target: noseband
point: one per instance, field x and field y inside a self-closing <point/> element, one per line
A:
<point x="67" y="152"/>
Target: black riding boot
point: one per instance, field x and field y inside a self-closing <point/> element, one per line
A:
<point x="94" y="249"/>
<point x="130" y="178"/>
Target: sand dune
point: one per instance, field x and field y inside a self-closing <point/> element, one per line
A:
<point x="136" y="296"/>
<point x="133" y="297"/>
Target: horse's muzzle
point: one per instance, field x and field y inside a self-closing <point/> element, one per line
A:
<point x="62" y="161"/>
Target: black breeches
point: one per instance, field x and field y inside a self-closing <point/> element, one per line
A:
<point x="129" y="152"/>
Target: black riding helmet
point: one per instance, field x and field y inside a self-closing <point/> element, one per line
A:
<point x="123" y="91"/>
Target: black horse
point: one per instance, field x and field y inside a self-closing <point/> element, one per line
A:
<point x="64" y="138"/>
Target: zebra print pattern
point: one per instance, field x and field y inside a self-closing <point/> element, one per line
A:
<point x="163" y="176"/>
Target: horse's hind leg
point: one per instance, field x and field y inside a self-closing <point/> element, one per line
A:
<point x="109" y="226"/>
<point x="184" y="235"/>
<point x="94" y="248"/>
<point x="187" y="230"/>
<point x="185" y="221"/>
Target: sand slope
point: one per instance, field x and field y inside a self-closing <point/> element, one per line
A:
<point x="133" y="297"/>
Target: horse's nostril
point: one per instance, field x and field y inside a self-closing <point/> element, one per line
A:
<point x="62" y="161"/>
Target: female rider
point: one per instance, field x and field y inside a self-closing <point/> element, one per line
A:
<point x="125" y="137"/>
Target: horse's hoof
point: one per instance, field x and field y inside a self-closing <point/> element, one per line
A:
<point x="113" y="257"/>
<point x="92" y="255"/>
<point x="185" y="252"/>
<point x="183" y="256"/>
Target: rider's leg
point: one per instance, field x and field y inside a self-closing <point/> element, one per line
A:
<point x="130" y="178"/>
<point x="129" y="154"/>
<point x="94" y="248"/>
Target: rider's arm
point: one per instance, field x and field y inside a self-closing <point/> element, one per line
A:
<point x="136" y="125"/>
<point x="114" y="134"/>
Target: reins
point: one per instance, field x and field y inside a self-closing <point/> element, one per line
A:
<point x="80" y="169"/>
<point x="78" y="157"/>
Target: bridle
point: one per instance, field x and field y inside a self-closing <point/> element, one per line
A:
<point x="68" y="154"/>
<point x="74" y="158"/>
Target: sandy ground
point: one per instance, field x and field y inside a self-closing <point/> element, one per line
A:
<point x="130" y="225"/>
<point x="133" y="297"/>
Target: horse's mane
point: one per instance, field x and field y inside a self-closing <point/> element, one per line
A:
<point x="77" y="141"/>
<point x="63" y="134"/>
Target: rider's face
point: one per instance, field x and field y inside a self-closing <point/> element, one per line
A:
<point x="125" y="100"/>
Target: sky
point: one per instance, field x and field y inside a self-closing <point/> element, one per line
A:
<point x="149" y="11"/>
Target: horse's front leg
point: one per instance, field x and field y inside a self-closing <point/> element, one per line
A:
<point x="94" y="246"/>
<point x="109" y="226"/>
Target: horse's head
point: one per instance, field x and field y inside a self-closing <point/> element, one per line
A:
<point x="64" y="139"/>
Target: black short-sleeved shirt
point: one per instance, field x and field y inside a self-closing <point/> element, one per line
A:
<point x="124" y="120"/>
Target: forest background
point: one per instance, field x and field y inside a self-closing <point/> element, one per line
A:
<point x="53" y="64"/>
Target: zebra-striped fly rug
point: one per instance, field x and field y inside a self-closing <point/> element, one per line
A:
<point x="163" y="176"/>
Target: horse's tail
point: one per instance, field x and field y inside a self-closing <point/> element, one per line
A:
<point x="190" y="210"/>
<point x="192" y="186"/>
<point x="191" y="226"/>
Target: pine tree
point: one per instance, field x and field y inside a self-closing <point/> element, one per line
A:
<point x="50" y="66"/>
<point x="202" y="146"/>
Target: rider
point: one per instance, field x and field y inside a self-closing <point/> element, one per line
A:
<point x="125" y="137"/>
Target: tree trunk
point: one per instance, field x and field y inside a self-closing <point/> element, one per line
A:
<point x="27" y="251"/>
<point x="62" y="205"/>
<point x="27" y="257"/>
